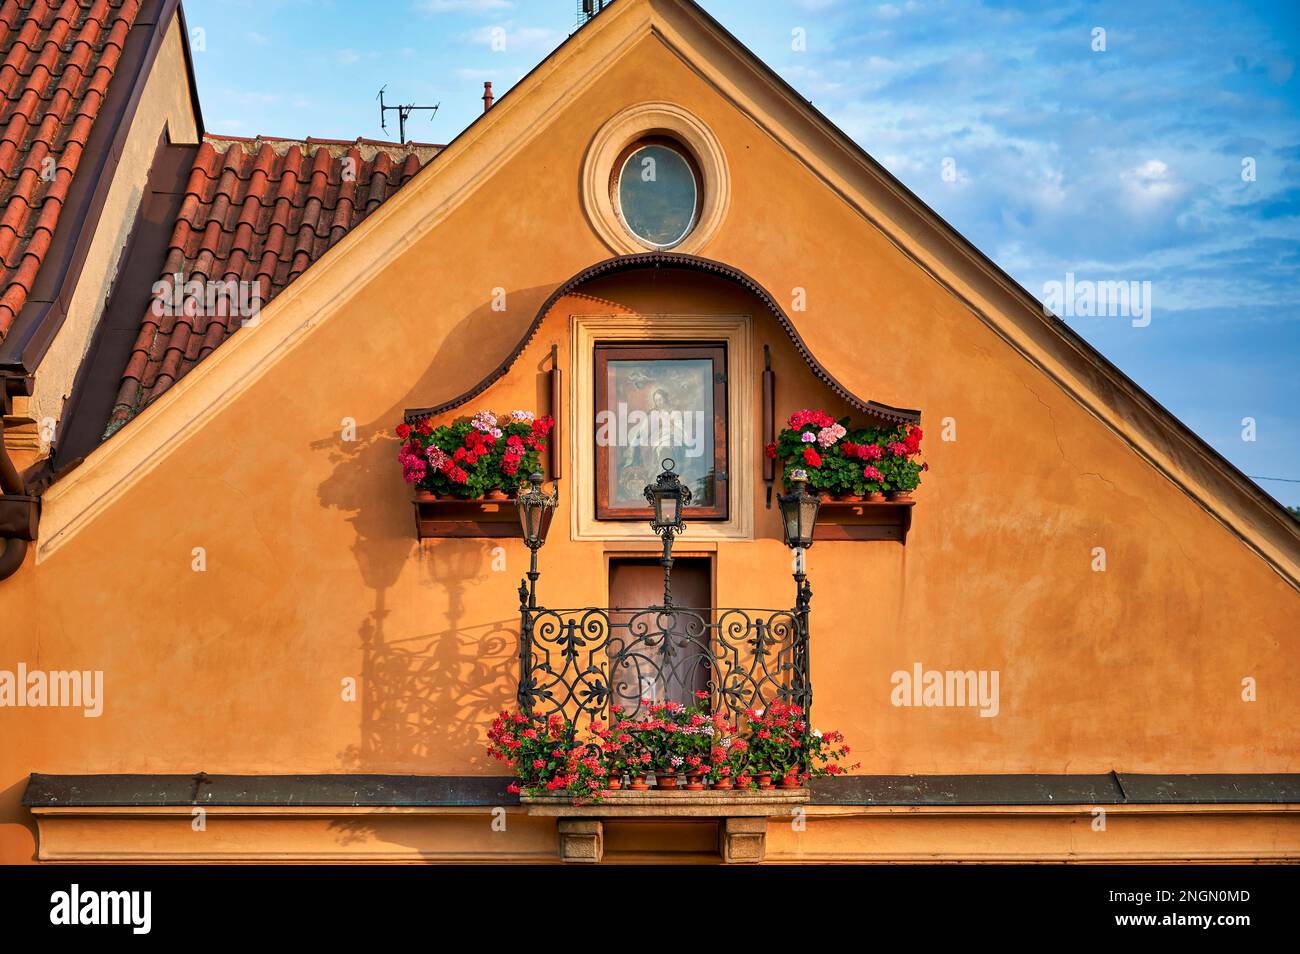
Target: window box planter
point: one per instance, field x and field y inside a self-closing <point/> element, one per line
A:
<point x="864" y="476"/>
<point x="465" y="473"/>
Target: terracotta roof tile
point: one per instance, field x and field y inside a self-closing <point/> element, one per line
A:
<point x="56" y="60"/>
<point x="255" y="210"/>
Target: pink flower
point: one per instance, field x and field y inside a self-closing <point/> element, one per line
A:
<point x="829" y="435"/>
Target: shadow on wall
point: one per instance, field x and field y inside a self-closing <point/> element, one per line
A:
<point x="426" y="699"/>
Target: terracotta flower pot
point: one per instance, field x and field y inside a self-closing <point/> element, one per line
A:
<point x="764" y="780"/>
<point x="496" y="495"/>
<point x="789" y="781"/>
<point x="694" y="783"/>
<point x="900" y="496"/>
<point x="614" y="782"/>
<point x="875" y="497"/>
<point x="665" y="781"/>
<point x="639" y="784"/>
<point x="723" y="784"/>
<point x="425" y="496"/>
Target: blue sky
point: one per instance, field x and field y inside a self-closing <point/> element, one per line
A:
<point x="1051" y="156"/>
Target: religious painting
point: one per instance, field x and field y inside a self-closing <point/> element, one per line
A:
<point x="656" y="405"/>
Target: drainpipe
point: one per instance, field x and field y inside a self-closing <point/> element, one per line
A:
<point x="18" y="510"/>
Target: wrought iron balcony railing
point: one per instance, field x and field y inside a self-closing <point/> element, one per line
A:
<point x="583" y="661"/>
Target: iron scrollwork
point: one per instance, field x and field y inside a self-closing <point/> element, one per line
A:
<point x="582" y="661"/>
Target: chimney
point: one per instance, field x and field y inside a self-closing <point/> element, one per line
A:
<point x="487" y="96"/>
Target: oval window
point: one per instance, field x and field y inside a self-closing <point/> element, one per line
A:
<point x="657" y="193"/>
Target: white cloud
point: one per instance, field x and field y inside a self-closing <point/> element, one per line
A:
<point x="1151" y="181"/>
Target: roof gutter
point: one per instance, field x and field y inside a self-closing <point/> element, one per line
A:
<point x="19" y="511"/>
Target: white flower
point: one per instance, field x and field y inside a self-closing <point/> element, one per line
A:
<point x="522" y="415"/>
<point x="817" y="733"/>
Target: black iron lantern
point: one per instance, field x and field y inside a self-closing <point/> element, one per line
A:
<point x="799" y="515"/>
<point x="669" y="497"/>
<point x="535" y="511"/>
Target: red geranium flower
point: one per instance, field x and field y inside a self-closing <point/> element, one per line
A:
<point x="811" y="457"/>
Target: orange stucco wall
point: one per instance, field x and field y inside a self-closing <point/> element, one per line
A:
<point x="314" y="574"/>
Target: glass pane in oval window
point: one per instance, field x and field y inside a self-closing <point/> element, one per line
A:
<point x="656" y="194"/>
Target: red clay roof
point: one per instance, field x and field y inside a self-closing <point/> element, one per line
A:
<point x="58" y="58"/>
<point x="255" y="210"/>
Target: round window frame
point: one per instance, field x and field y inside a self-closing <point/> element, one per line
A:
<point x="619" y="165"/>
<point x="684" y="132"/>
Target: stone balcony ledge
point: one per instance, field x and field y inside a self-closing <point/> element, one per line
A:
<point x="672" y="803"/>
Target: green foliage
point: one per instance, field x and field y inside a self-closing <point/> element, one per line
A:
<point x="834" y="459"/>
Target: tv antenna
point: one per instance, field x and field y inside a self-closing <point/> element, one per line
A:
<point x="402" y="111"/>
<point x="589" y="8"/>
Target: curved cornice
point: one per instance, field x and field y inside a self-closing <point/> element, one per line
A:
<point x="660" y="260"/>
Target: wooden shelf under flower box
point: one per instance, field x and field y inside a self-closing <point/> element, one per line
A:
<point x="864" y="520"/>
<point x="445" y="517"/>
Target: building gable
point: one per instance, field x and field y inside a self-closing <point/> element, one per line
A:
<point x="678" y="32"/>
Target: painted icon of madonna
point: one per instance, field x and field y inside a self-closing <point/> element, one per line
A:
<point x="654" y="403"/>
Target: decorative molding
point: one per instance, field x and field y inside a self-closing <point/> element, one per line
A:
<point x="423" y="834"/>
<point x="654" y="119"/>
<point x="666" y="260"/>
